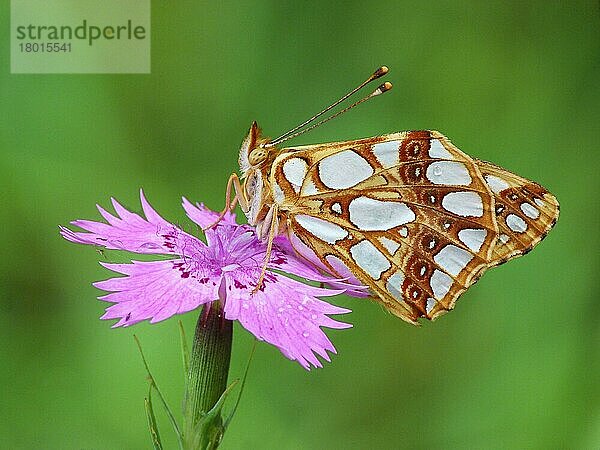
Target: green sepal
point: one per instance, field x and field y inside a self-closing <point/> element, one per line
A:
<point x="209" y="429"/>
<point x="207" y="379"/>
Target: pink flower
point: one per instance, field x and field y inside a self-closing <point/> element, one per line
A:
<point x="284" y="312"/>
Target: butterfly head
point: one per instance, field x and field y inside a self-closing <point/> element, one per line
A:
<point x="253" y="155"/>
<point x="253" y="151"/>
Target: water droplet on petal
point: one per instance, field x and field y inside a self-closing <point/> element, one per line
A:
<point x="245" y="305"/>
<point x="280" y="310"/>
<point x="300" y="307"/>
<point x="313" y="316"/>
<point x="305" y="334"/>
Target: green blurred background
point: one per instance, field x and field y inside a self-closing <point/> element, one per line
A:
<point x="514" y="366"/>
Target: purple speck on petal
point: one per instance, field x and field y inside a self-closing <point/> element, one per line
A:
<point x="279" y="260"/>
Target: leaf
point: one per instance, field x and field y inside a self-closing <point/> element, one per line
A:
<point x="160" y="396"/>
<point x="185" y="351"/>
<point x="154" y="435"/>
<point x="237" y="402"/>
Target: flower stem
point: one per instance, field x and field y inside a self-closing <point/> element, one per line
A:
<point x="207" y="378"/>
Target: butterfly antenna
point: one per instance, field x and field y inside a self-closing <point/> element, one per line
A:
<point x="381" y="71"/>
<point x="380" y="90"/>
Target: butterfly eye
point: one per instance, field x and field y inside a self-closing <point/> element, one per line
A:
<point x="257" y="156"/>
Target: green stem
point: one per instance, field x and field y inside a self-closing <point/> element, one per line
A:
<point x="207" y="377"/>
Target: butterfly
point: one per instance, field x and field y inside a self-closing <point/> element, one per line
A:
<point x="407" y="214"/>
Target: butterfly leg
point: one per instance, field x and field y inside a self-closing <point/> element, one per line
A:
<point x="273" y="227"/>
<point x="232" y="184"/>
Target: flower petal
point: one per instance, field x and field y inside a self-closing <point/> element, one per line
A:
<point x="204" y="216"/>
<point x="155" y="290"/>
<point x="128" y="231"/>
<point x="286" y="313"/>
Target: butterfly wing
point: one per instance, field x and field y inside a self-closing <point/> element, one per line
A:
<point x="525" y="212"/>
<point x="408" y="214"/>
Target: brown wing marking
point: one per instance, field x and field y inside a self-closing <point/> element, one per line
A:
<point x="525" y="205"/>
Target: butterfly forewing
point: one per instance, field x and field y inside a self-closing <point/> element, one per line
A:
<point x="525" y="212"/>
<point x="408" y="213"/>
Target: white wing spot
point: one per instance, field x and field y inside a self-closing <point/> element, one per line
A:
<point x="403" y="231"/>
<point x="394" y="285"/>
<point x="437" y="150"/>
<point x="463" y="203"/>
<point x="539" y="202"/>
<point x="387" y="153"/>
<point x="440" y="283"/>
<point x="529" y="210"/>
<point x="451" y="173"/>
<point x="322" y="229"/>
<point x="369" y="214"/>
<point x="496" y="184"/>
<point x="503" y="238"/>
<point x="344" y="170"/>
<point x="390" y="245"/>
<point x="515" y="223"/>
<point x="309" y="188"/>
<point x="278" y="194"/>
<point x="369" y="259"/>
<point x="452" y="259"/>
<point x="294" y="170"/>
<point x="336" y="207"/>
<point x="430" y="304"/>
<point x="472" y="238"/>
